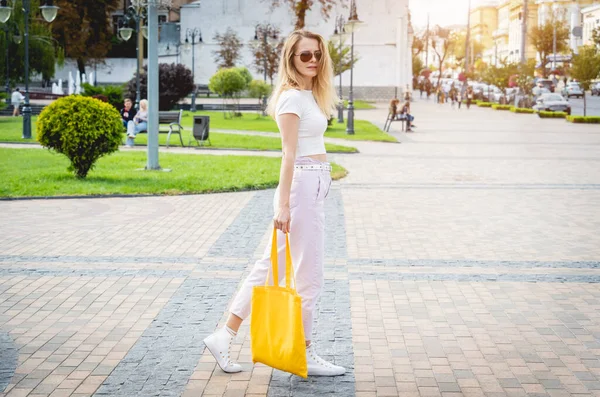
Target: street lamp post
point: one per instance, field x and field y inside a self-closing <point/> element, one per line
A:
<point x="49" y="12"/>
<point x="192" y="33"/>
<point x="351" y="25"/>
<point x="7" y="65"/>
<point x="554" y="13"/>
<point x="125" y="31"/>
<point x="339" y="31"/>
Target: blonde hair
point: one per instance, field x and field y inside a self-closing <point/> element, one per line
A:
<point x="144" y="104"/>
<point x="289" y="78"/>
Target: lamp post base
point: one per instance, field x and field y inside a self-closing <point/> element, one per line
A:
<point x="193" y="106"/>
<point x="26" y="122"/>
<point x="341" y="112"/>
<point x="350" y="126"/>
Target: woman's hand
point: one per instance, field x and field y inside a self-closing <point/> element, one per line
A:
<point x="282" y="219"/>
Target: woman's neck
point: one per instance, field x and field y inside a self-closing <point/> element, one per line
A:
<point x="306" y="83"/>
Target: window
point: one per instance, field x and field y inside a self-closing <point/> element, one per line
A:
<point x="162" y="19"/>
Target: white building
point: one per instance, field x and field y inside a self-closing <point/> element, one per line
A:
<point x="383" y="43"/>
<point x="591" y="21"/>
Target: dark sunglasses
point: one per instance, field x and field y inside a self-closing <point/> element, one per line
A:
<point x="306" y="56"/>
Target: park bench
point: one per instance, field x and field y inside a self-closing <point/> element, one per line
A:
<point x="169" y="123"/>
<point x="390" y="119"/>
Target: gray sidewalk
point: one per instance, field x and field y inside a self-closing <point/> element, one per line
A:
<point x="462" y="262"/>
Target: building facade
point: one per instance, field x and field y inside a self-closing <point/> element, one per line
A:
<point x="505" y="43"/>
<point x="382" y="44"/>
<point x="591" y="21"/>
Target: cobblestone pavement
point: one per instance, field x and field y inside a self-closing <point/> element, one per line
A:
<point x="461" y="262"/>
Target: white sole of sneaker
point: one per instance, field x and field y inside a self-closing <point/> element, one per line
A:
<point x="216" y="359"/>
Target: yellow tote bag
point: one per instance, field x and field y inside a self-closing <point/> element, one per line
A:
<point x="276" y="330"/>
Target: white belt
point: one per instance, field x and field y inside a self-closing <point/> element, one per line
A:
<point x="323" y="167"/>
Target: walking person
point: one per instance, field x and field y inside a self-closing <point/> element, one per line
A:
<point x="469" y="96"/>
<point x="16" y="99"/>
<point x="301" y="101"/>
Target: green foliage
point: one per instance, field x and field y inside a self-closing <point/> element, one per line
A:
<point x="44" y="52"/>
<point x="174" y="83"/>
<point x="585" y="68"/>
<point x="552" y="115"/>
<point x="83" y="129"/>
<point x="84" y="29"/>
<point x="417" y="65"/>
<point x="542" y="39"/>
<point x="521" y="110"/>
<point x="113" y="93"/>
<point x="596" y="37"/>
<point x="501" y="107"/>
<point x="484" y="104"/>
<point x="246" y="75"/>
<point x="584" y="119"/>
<point x="259" y="89"/>
<point x="227" y="82"/>
<point x="340" y="56"/>
<point x="500" y="75"/>
<point x="2" y="100"/>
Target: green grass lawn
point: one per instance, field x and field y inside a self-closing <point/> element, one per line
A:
<point x="41" y="173"/>
<point x="364" y="130"/>
<point x="11" y="130"/>
<point x="360" y="105"/>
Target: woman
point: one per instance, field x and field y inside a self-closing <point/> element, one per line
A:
<point x="139" y="122"/>
<point x="301" y="102"/>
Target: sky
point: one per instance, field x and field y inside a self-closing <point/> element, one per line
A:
<point x="441" y="12"/>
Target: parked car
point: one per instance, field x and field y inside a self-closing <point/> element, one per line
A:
<point x="596" y="88"/>
<point x="546" y="83"/>
<point x="572" y="89"/>
<point x="552" y="103"/>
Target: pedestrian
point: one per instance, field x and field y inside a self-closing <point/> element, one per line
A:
<point x="16" y="99"/>
<point x="409" y="117"/>
<point x="302" y="99"/>
<point x="469" y="96"/>
<point x="139" y="123"/>
<point x="128" y="112"/>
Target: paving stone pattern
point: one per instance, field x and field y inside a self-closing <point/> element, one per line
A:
<point x="463" y="261"/>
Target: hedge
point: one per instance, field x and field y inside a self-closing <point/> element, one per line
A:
<point x="521" y="110"/>
<point x="552" y="115"/>
<point x="501" y="107"/>
<point x="484" y="104"/>
<point x="583" y="119"/>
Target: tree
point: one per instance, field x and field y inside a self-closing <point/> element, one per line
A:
<point x="84" y="29"/>
<point x="230" y="45"/>
<point x="245" y="73"/>
<point x="585" y="68"/>
<point x="44" y="52"/>
<point x="417" y="65"/>
<point x="340" y="57"/>
<point x="228" y="83"/>
<point x="475" y="50"/>
<point x="268" y="49"/>
<point x="83" y="129"/>
<point x="174" y="83"/>
<point x="542" y="40"/>
<point x="301" y="7"/>
<point x="259" y="89"/>
<point x="443" y="44"/>
<point x="419" y="44"/>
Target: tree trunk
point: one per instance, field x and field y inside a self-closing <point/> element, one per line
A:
<point x="301" y="9"/>
<point x="584" y="105"/>
<point x="81" y="66"/>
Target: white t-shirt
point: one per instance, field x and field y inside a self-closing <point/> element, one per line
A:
<point x="17" y="97"/>
<point x="313" y="122"/>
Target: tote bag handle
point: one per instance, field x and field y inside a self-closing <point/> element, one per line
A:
<point x="289" y="273"/>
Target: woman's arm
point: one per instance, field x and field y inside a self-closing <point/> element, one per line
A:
<point x="288" y="125"/>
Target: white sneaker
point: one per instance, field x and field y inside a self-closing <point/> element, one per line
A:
<point x="319" y="367"/>
<point x="219" y="345"/>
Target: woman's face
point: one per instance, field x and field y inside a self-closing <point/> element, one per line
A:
<point x="311" y="67"/>
<point x="144" y="106"/>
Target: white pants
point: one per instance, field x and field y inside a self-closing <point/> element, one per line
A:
<point x="307" y="243"/>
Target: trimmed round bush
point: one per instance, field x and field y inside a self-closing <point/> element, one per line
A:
<point x="82" y="128"/>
